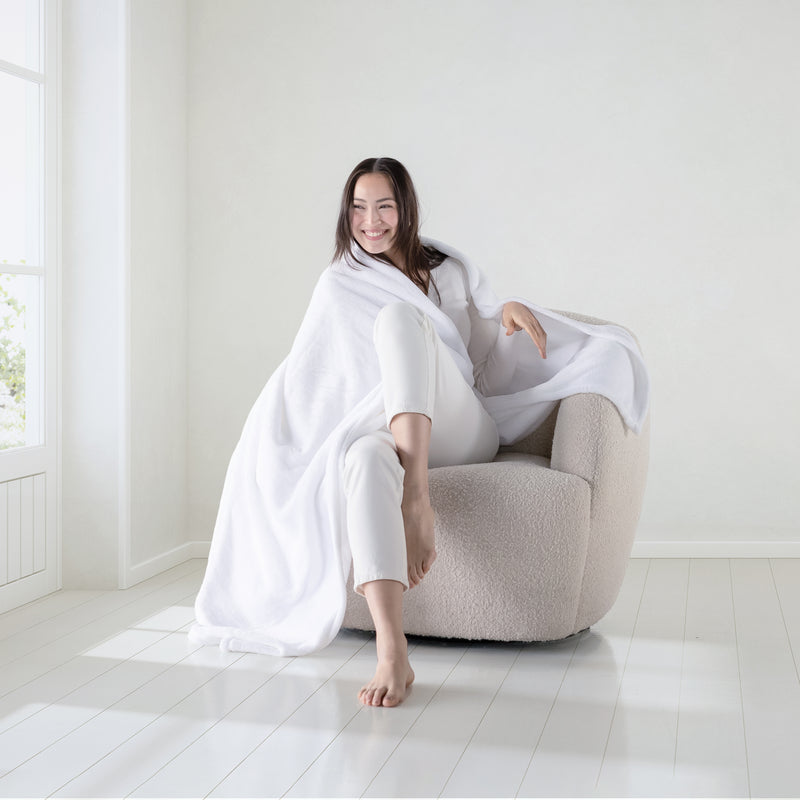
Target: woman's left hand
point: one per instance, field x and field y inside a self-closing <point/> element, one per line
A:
<point x="517" y="317"/>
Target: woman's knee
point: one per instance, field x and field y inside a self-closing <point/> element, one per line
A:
<point x="372" y="457"/>
<point x="397" y="316"/>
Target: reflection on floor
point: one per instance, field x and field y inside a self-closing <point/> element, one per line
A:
<point x="689" y="687"/>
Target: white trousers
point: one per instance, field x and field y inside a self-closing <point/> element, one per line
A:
<point x="419" y="375"/>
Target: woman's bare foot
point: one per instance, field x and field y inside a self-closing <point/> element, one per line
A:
<point x="418" y="522"/>
<point x="392" y="678"/>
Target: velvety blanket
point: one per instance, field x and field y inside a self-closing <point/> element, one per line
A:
<point x="279" y="558"/>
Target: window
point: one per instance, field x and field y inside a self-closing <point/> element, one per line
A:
<point x="30" y="555"/>
<point x="22" y="217"/>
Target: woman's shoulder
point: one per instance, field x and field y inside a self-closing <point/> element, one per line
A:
<point x="448" y="264"/>
<point x="451" y="280"/>
<point x="453" y="266"/>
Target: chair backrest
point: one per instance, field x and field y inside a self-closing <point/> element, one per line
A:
<point x="538" y="443"/>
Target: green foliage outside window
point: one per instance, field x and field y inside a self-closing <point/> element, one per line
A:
<point x="12" y="365"/>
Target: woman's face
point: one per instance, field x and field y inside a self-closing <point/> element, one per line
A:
<point x="373" y="214"/>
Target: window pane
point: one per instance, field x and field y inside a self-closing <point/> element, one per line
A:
<point x="19" y="32"/>
<point x="20" y="158"/>
<point x="20" y="367"/>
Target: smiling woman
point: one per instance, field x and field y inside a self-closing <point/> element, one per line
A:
<point x="379" y="212"/>
<point x="382" y="383"/>
<point x="373" y="218"/>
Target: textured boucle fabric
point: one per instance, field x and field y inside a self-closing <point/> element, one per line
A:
<point x="276" y="578"/>
<point x="504" y="563"/>
<point x="533" y="546"/>
<point x="592" y="441"/>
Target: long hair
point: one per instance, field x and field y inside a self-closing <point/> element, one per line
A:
<point x="419" y="259"/>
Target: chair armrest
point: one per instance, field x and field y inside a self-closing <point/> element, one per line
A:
<point x="592" y="441"/>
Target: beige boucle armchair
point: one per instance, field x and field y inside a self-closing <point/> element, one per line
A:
<point x="533" y="546"/>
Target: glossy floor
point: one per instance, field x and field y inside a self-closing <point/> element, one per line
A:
<point x="689" y="687"/>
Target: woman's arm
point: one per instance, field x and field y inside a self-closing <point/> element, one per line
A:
<point x="517" y="317"/>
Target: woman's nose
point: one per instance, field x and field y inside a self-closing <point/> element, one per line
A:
<point x="373" y="215"/>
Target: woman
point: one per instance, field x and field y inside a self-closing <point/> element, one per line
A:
<point x="405" y="360"/>
<point x="396" y="548"/>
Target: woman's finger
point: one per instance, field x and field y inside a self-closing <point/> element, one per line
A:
<point x="526" y="320"/>
<point x="537" y="333"/>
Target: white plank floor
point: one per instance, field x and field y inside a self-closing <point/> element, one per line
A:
<point x="689" y="687"/>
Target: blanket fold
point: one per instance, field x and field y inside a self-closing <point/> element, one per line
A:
<point x="279" y="558"/>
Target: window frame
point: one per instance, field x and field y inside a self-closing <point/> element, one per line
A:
<point x="43" y="459"/>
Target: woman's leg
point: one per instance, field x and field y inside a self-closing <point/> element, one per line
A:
<point x="434" y="415"/>
<point x="412" y="435"/>
<point x="373" y="487"/>
<point x="373" y="484"/>
<point x="394" y="674"/>
<point x="419" y="374"/>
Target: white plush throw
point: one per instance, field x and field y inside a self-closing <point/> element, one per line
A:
<point x="279" y="559"/>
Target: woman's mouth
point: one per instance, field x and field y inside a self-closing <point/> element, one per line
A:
<point x="374" y="235"/>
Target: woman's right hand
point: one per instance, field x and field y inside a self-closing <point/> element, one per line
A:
<point x="518" y="317"/>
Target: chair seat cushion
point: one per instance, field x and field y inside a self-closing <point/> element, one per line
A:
<point x="511" y="539"/>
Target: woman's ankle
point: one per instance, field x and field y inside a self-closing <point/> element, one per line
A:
<point x="391" y="644"/>
<point x="415" y="496"/>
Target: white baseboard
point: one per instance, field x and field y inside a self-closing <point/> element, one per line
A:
<point x="719" y="549"/>
<point x="153" y="566"/>
<point x="641" y="549"/>
<point x="200" y="549"/>
<point x="25" y="590"/>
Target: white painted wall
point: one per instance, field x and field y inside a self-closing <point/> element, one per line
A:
<point x="158" y="277"/>
<point x="124" y="289"/>
<point x="634" y="161"/>
<point x="93" y="364"/>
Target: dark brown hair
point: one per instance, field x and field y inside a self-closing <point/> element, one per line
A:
<point x="419" y="259"/>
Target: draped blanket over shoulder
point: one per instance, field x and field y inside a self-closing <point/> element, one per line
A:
<point x="279" y="559"/>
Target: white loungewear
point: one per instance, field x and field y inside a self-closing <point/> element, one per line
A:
<point x="419" y="375"/>
<point x="280" y="556"/>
